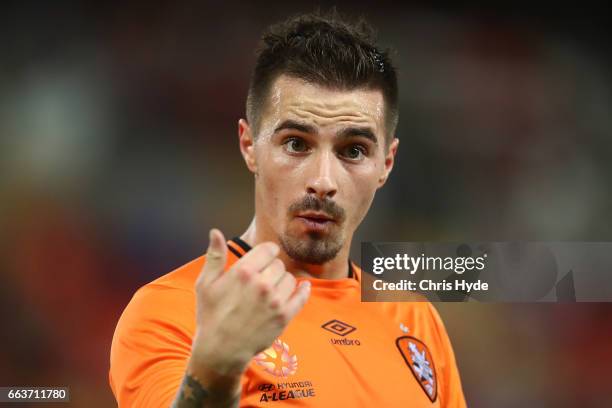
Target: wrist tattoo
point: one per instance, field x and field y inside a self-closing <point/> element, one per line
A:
<point x="191" y="394"/>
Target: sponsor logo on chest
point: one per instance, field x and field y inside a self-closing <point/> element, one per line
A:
<point x="341" y="329"/>
<point x="279" y="361"/>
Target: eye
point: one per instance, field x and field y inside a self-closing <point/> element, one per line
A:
<point x="295" y="145"/>
<point x="354" y="152"/>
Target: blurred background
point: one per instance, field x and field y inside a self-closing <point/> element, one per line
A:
<point x="118" y="152"/>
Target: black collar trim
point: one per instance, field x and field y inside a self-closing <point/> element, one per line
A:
<point x="246" y="247"/>
<point x="234" y="251"/>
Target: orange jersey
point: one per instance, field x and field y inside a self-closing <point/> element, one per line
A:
<point x="337" y="351"/>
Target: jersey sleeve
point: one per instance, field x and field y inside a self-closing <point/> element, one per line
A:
<point x="451" y="392"/>
<point x="151" y="346"/>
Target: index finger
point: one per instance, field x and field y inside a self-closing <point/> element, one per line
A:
<point x="255" y="260"/>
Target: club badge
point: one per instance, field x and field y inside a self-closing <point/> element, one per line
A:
<point x="417" y="356"/>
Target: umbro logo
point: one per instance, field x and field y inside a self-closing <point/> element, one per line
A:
<point x="338" y="327"/>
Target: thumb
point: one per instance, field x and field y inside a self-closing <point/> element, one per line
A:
<point x="216" y="256"/>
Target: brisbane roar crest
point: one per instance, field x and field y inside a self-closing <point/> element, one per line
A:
<point x="417" y="356"/>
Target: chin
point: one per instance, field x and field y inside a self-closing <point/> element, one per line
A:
<point x="311" y="247"/>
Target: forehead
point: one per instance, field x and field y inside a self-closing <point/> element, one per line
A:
<point x="295" y="99"/>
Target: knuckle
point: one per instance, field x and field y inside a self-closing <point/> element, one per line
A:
<point x="214" y="256"/>
<point x="275" y="303"/>
<point x="244" y="272"/>
<point x="282" y="318"/>
<point x="264" y="288"/>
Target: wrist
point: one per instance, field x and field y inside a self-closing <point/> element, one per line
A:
<point x="216" y="381"/>
<point x="211" y="359"/>
<point x="204" y="366"/>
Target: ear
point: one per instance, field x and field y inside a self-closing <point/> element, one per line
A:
<point x="247" y="145"/>
<point x="389" y="160"/>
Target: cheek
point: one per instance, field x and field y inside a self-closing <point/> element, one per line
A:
<point x="367" y="196"/>
<point x="270" y="189"/>
<point x="281" y="171"/>
<point x="271" y="158"/>
<point x="277" y="181"/>
<point x="364" y="183"/>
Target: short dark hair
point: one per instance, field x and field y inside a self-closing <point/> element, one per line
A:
<point x="324" y="49"/>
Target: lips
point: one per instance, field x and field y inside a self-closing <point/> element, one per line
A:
<point x="316" y="222"/>
<point x="316" y="217"/>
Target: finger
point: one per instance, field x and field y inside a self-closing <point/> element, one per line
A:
<point x="298" y="299"/>
<point x="285" y="287"/>
<point x="216" y="257"/>
<point x="274" y="272"/>
<point x="254" y="261"/>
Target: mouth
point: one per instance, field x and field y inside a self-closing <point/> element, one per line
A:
<point x="316" y="217"/>
<point x="316" y="221"/>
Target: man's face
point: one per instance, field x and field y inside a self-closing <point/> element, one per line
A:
<point x="319" y="157"/>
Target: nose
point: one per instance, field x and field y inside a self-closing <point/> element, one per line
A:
<point x="322" y="181"/>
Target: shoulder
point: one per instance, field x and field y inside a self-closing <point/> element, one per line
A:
<point x="168" y="301"/>
<point x="183" y="277"/>
<point x="152" y="338"/>
<point x="166" y="295"/>
<point x="169" y="298"/>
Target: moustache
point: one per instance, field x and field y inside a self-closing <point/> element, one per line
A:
<point x="312" y="203"/>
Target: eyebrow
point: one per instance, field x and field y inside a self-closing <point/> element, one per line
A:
<point x="353" y="131"/>
<point x="293" y="125"/>
<point x="358" y="132"/>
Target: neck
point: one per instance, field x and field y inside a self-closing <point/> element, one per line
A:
<point x="337" y="268"/>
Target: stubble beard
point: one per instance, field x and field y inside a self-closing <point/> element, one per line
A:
<point x="313" y="249"/>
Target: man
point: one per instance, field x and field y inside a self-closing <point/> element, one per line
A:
<point x="274" y="318"/>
